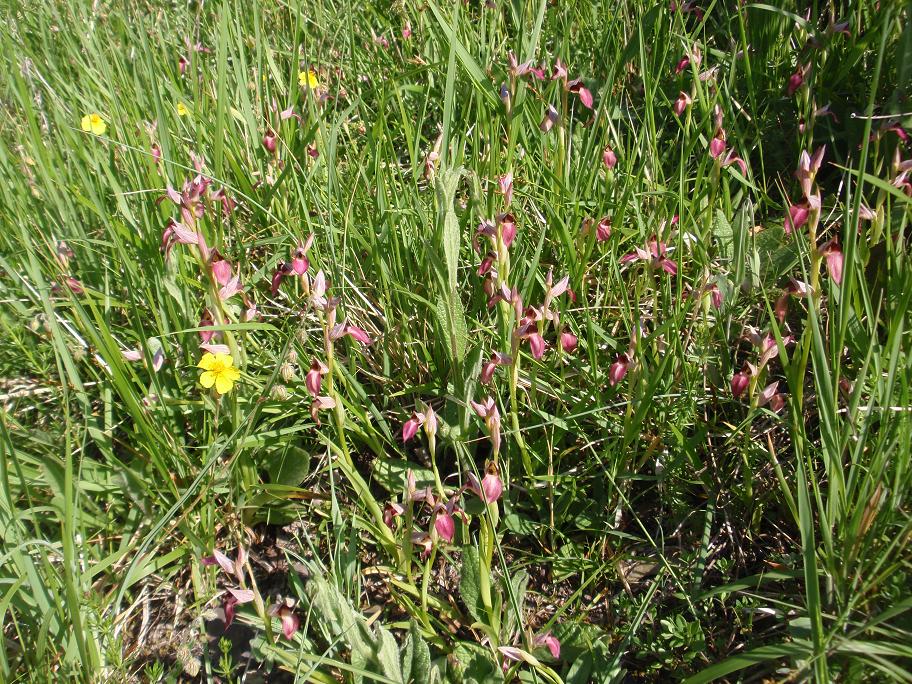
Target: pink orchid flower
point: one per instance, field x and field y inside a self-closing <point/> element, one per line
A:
<point x="551" y="117"/>
<point x="206" y="322"/>
<point x="603" y="229"/>
<point x="682" y="103"/>
<point x="769" y="350"/>
<point x="221" y="267"/>
<point x="553" y="291"/>
<point x="216" y="348"/>
<point x="423" y="541"/>
<point x="528" y="330"/>
<point x="299" y="261"/>
<point x="391" y="511"/>
<point x="131" y="354"/>
<point x="618" y="369"/>
<point x="445" y="519"/>
<point x="507" y="224"/>
<point x="505" y="186"/>
<point x="177" y="233"/>
<point x="654" y="255"/>
<point x="490" y="488"/>
<point x="559" y="72"/>
<point x="412" y="425"/>
<point x="741" y="379"/>
<point x="832" y="253"/>
<point x="445" y="526"/>
<point x="609" y="158"/>
<point x="796" y="80"/>
<point x="318" y="291"/>
<point x="270" y="141"/>
<point x="314" y="378"/>
<point x="796" y="217"/>
<point x="769" y="395"/>
<point x="550" y="642"/>
<point x="730" y="159"/>
<point x="321" y="403"/>
<point x="487" y="410"/>
<point x="299" y="264"/>
<point x="568" y="342"/>
<point x="231" y="288"/>
<point x="682" y="64"/>
<point x="283" y="270"/>
<point x="717" y="146"/>
<point x="340" y="330"/>
<point x="808" y="166"/>
<point x="486" y="264"/>
<point x="284" y="610"/>
<point x="576" y="86"/>
<point x="235" y="595"/>
<point x="488" y="368"/>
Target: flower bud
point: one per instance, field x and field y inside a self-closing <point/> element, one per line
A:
<point x="269" y="142"/>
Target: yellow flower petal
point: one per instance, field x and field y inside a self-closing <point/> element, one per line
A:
<point x="232" y="374"/>
<point x="308" y="79"/>
<point x="207" y="362"/>
<point x="86" y="123"/>
<point x="182" y="109"/>
<point x="222" y="384"/>
<point x="207" y="379"/>
<point x="226" y="360"/>
<point x="98" y="125"/>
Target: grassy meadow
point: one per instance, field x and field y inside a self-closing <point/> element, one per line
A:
<point x="442" y="341"/>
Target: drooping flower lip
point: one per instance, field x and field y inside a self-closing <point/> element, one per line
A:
<point x="490" y="488"/>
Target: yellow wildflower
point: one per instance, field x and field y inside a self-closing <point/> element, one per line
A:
<point x="182" y="109"/>
<point x="94" y="123"/>
<point x="218" y="370"/>
<point x="308" y="79"/>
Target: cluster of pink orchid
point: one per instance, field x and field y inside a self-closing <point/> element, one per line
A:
<point x="443" y="508"/>
<point x="748" y="378"/>
<point x="718" y="146"/>
<point x="244" y="590"/>
<point x="196" y="199"/>
<point x="539" y="72"/>
<point x="63" y="255"/>
<point x="325" y="307"/>
<point x="655" y="255"/>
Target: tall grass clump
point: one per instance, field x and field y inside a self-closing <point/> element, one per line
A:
<point x="454" y="342"/>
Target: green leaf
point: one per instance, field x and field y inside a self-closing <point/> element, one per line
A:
<point x="472" y="662"/>
<point x="470" y="584"/>
<point x="451" y="319"/>
<point x="722" y="230"/>
<point x="416" y="657"/>
<point x="482" y="82"/>
<point x="391" y="474"/>
<point x="451" y="247"/>
<point x="289" y="466"/>
<point x="519" y="582"/>
<point x="372" y="651"/>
